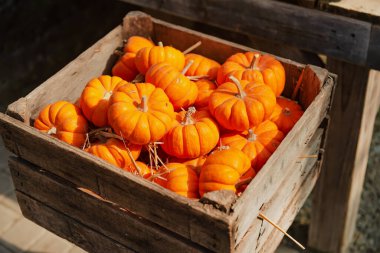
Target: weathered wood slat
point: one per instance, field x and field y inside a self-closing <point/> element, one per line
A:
<point x="308" y="29"/>
<point x="268" y="179"/>
<point x="105" y="217"/>
<point x="162" y="206"/>
<point x="337" y="194"/>
<point x="66" y="227"/>
<point x="259" y="231"/>
<point x="373" y="59"/>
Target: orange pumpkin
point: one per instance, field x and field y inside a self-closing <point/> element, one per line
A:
<point x="181" y="91"/>
<point x="194" y="135"/>
<point x="64" y="121"/>
<point x="205" y="88"/>
<point x="145" y="171"/>
<point x="201" y="66"/>
<point x="95" y="97"/>
<point x="125" y="67"/>
<point x="148" y="56"/>
<point x="286" y="114"/>
<point x="196" y="163"/>
<point x="114" y="152"/>
<point x="140" y="113"/>
<point x="241" y="105"/>
<point x="258" y="143"/>
<point x="135" y="43"/>
<point x="253" y="66"/>
<point x="181" y="179"/>
<point x="222" y="170"/>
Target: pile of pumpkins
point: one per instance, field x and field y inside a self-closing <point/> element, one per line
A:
<point x="182" y="121"/>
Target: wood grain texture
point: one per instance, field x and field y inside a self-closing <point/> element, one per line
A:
<point x="100" y="215"/>
<point x="292" y="182"/>
<point x="337" y="194"/>
<point x="160" y="205"/>
<point x="373" y="59"/>
<point x="66" y="227"/>
<point x="268" y="179"/>
<point x="336" y="36"/>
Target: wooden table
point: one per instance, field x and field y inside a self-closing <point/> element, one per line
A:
<point x="348" y="33"/>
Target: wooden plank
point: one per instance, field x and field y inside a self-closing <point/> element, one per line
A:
<point x="160" y="205"/>
<point x="274" y="239"/>
<point x="368" y="10"/>
<point x="373" y="59"/>
<point x="109" y="219"/>
<point x="66" y="227"/>
<point x="292" y="182"/>
<point x="308" y="29"/>
<point x="268" y="179"/>
<point x="337" y="195"/>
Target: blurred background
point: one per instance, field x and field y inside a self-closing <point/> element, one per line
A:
<point x="40" y="37"/>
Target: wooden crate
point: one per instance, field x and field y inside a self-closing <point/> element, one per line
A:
<point x="104" y="209"/>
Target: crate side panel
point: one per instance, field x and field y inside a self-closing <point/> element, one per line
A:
<point x="108" y="219"/>
<point x="160" y="205"/>
<point x="269" y="178"/>
<point x="66" y="227"/>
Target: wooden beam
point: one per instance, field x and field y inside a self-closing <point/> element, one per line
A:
<point x="373" y="58"/>
<point x="337" y="195"/>
<point x="308" y="29"/>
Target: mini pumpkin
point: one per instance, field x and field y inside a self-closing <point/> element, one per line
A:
<point x="125" y="67"/>
<point x="94" y="100"/>
<point x="240" y="105"/>
<point x="140" y="113"/>
<point x="148" y="56"/>
<point x="196" y="163"/>
<point x="194" y="135"/>
<point x="181" y="179"/>
<point x="145" y="171"/>
<point x="135" y="43"/>
<point x="253" y="66"/>
<point x="205" y="88"/>
<point x="258" y="143"/>
<point x="222" y="170"/>
<point x="286" y="114"/>
<point x="114" y="152"/>
<point x="64" y="121"/>
<point x="201" y="66"/>
<point x="181" y="91"/>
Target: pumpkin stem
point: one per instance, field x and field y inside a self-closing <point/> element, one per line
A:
<point x="251" y="136"/>
<point x="242" y="93"/>
<point x="192" y="47"/>
<point x="160" y="44"/>
<point x="255" y="62"/>
<point x="52" y="130"/>
<point x="144" y="103"/>
<point x="286" y="111"/>
<point x="188" y="120"/>
<point x="138" y="79"/>
<point x="186" y="68"/>
<point x="107" y="95"/>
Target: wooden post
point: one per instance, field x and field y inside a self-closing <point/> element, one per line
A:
<point x="337" y="195"/>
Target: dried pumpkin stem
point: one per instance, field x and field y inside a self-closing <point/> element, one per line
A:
<point x="138" y="79"/>
<point x="192" y="47"/>
<point x="144" y="103"/>
<point x="188" y="120"/>
<point x="255" y="63"/>
<point x="196" y="78"/>
<point x="160" y="44"/>
<point x="186" y="68"/>
<point x="286" y="111"/>
<point x="52" y="130"/>
<point x="242" y="93"/>
<point x="251" y="135"/>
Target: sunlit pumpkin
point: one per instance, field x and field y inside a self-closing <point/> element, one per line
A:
<point x="125" y="67"/>
<point x="286" y="114"/>
<point x="202" y="66"/>
<point x="135" y="43"/>
<point x="64" y="121"/>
